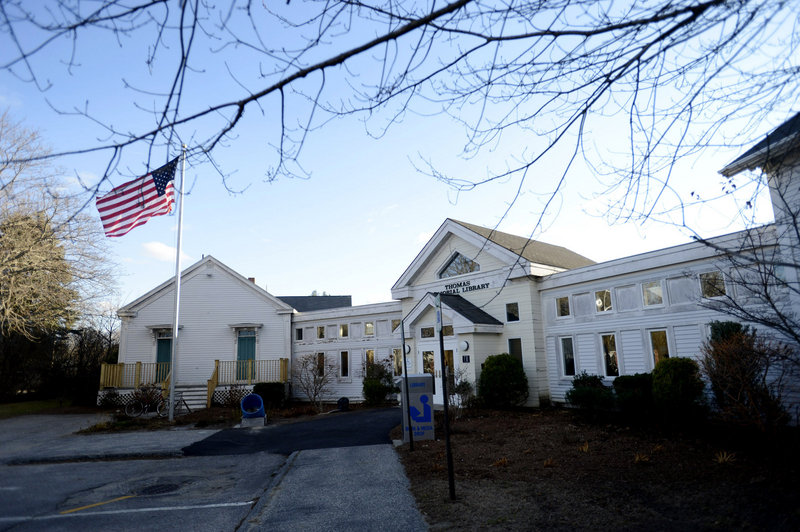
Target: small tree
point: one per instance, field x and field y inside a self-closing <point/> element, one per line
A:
<point x="461" y="395"/>
<point x="746" y="376"/>
<point x="503" y="383"/>
<point x="378" y="382"/>
<point x="314" y="376"/>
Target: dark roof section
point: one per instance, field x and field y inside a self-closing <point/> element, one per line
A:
<point x="773" y="145"/>
<point x="532" y="250"/>
<point x="309" y="303"/>
<point x="468" y="310"/>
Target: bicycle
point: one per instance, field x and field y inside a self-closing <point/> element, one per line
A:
<point x="145" y="399"/>
<point x="162" y="408"/>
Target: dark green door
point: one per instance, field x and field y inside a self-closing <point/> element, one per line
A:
<point x="245" y="353"/>
<point x="163" y="356"/>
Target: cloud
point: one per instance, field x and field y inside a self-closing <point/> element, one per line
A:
<point x="163" y="252"/>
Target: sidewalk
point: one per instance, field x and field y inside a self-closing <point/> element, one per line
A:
<point x="339" y="489"/>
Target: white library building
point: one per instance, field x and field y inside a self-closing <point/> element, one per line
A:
<point x="558" y="312"/>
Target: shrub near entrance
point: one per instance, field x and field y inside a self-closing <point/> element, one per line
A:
<point x="503" y="383"/>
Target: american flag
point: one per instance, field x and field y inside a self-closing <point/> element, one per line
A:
<point x="133" y="203"/>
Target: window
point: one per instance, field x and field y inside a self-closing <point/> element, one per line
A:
<point x="659" y="346"/>
<point x="459" y="265"/>
<point x="369" y="328"/>
<point x="562" y="306"/>
<point x="369" y="356"/>
<point x="321" y="331"/>
<point x="298" y="334"/>
<point x="712" y="284"/>
<point x="320" y="364"/>
<point x="515" y="348"/>
<point x="344" y="331"/>
<point x="426" y="332"/>
<point x="610" y="360"/>
<point x="512" y="312"/>
<point x="568" y="356"/>
<point x="397" y="361"/>
<point x="447" y="330"/>
<point x="395" y="324"/>
<point x="602" y="300"/>
<point x="652" y="294"/>
<point x="344" y="364"/>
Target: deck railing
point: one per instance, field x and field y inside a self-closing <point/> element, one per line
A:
<point x="252" y="371"/>
<point x="246" y="372"/>
<point x="133" y="375"/>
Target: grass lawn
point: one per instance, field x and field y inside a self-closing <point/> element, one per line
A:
<point x="31" y="407"/>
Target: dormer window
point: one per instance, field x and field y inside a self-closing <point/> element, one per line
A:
<point x="459" y="265"/>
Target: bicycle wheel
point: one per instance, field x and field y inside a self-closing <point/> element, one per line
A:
<point x="162" y="408"/>
<point x="134" y="409"/>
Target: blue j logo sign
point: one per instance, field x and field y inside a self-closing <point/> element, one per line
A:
<point x="425" y="414"/>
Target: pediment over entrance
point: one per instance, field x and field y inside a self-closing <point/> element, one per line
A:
<point x="465" y="317"/>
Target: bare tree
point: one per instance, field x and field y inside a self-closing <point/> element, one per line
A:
<point x="762" y="264"/>
<point x="670" y="73"/>
<point x="314" y="375"/>
<point x="53" y="263"/>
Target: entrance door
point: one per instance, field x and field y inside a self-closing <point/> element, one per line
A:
<point x="429" y="360"/>
<point x="245" y="354"/>
<point x="163" y="355"/>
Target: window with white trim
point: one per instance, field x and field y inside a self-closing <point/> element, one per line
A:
<point x="562" y="307"/>
<point x="659" y="345"/>
<point x="321" y="331"/>
<point x="459" y="265"/>
<point x="369" y="328"/>
<point x="610" y="355"/>
<point x="369" y="356"/>
<point x="344" y="364"/>
<point x="652" y="294"/>
<point x="298" y="333"/>
<point x="712" y="284"/>
<point x="344" y="330"/>
<point x="567" y="356"/>
<point x="397" y="361"/>
<point x="512" y="312"/>
<point x="602" y="301"/>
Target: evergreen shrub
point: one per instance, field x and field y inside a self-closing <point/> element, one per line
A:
<point x="678" y="390"/>
<point x="635" y="395"/>
<point x="589" y="393"/>
<point x="503" y="383"/>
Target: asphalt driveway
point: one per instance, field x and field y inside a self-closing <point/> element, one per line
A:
<point x="340" y="429"/>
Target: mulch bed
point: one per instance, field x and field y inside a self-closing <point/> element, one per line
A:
<point x="554" y="470"/>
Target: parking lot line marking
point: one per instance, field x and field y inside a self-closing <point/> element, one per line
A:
<point x="96" y="504"/>
<point x="21" y="518"/>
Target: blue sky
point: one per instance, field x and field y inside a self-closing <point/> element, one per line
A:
<point x="363" y="214"/>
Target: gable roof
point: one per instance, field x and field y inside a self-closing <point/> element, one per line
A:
<point x="311" y="303"/>
<point x="131" y="308"/>
<point x="532" y="250"/>
<point x="468" y="310"/>
<point x="776" y="143"/>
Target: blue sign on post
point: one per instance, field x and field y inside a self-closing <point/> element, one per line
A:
<point x="419" y="405"/>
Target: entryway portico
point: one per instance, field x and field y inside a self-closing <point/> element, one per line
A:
<point x="464" y="326"/>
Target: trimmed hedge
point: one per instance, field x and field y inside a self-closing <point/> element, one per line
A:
<point x="678" y="389"/>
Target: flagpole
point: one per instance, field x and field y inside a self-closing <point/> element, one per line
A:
<point x="175" y="328"/>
